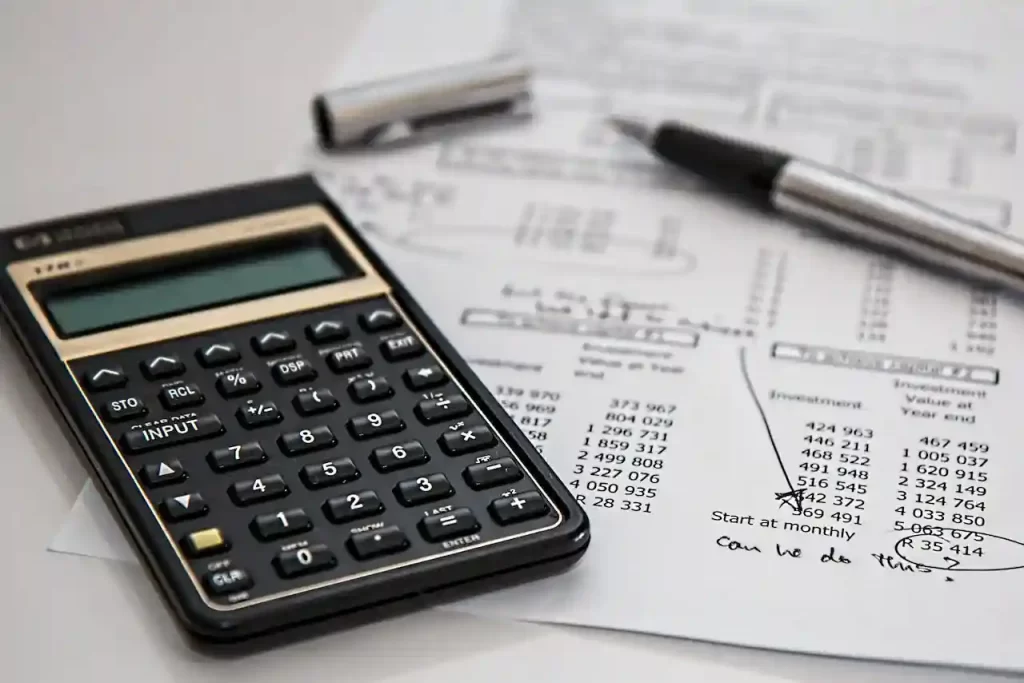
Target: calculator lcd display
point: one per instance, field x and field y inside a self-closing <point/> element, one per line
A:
<point x="165" y="292"/>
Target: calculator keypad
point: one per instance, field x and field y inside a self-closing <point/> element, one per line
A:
<point x="309" y="448"/>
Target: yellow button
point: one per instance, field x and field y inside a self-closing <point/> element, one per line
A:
<point x="205" y="541"/>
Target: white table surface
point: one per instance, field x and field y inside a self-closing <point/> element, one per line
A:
<point x="112" y="101"/>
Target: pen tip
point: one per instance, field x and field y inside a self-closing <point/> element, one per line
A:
<point x="631" y="128"/>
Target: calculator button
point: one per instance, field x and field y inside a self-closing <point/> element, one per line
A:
<point x="258" y="490"/>
<point x="399" y="456"/>
<point x="185" y="506"/>
<point x="270" y="343"/>
<point x="518" y="508"/>
<point x="315" y="402"/>
<point x="466" y="440"/>
<point x="369" y="389"/>
<point x="423" y="489"/>
<point x="163" y="473"/>
<point x="349" y="359"/>
<point x="353" y="506"/>
<point x="181" y="396"/>
<point x="253" y="415"/>
<point x="307" y="440"/>
<point x="280" y="524"/>
<point x="292" y="563"/>
<point x="441" y="409"/>
<point x="427" y="377"/>
<point x="401" y="348"/>
<point x="458" y="522"/>
<point x="124" y="409"/>
<point x="206" y="542"/>
<point x="379" y="320"/>
<point x="326" y="331"/>
<point x="375" y="424"/>
<point x="236" y="457"/>
<point x="162" y="367"/>
<point x="294" y="371"/>
<point x="376" y="542"/>
<point x="172" y="433"/>
<point x="217" y="354"/>
<point x="484" y="475"/>
<point x="235" y="384"/>
<point x="227" y="581"/>
<point x="105" y="378"/>
<point x="330" y="473"/>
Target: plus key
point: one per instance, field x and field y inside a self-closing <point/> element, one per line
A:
<point x="465" y="439"/>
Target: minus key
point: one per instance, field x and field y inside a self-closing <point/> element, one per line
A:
<point x="484" y="475"/>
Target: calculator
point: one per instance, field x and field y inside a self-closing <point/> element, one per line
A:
<point x="284" y="434"/>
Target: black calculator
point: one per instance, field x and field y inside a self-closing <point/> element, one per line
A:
<point x="284" y="434"/>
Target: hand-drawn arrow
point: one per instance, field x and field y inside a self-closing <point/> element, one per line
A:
<point x="792" y="497"/>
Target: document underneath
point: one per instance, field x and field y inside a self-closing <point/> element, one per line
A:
<point x="781" y="441"/>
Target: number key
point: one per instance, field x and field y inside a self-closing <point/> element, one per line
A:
<point x="353" y="506"/>
<point x="329" y="473"/>
<point x="258" y="490"/>
<point x="280" y="524"/>
<point x="423" y="489"/>
<point x="399" y="456"/>
<point x="292" y="563"/>
<point x="307" y="440"/>
<point x="236" y="457"/>
<point x="375" y="424"/>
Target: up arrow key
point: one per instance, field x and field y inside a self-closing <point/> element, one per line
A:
<point x="112" y="377"/>
<point x="162" y="366"/>
<point x="163" y="473"/>
<point x="272" y="342"/>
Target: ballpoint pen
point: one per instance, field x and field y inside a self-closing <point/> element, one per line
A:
<point x="837" y="202"/>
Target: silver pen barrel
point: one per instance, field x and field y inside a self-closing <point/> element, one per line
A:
<point x="421" y="104"/>
<point x="867" y="213"/>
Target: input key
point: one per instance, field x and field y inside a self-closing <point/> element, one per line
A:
<point x="171" y="433"/>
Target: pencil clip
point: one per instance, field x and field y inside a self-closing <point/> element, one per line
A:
<point x="425" y="104"/>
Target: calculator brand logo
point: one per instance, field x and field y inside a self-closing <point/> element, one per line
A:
<point x="33" y="240"/>
<point x="69" y="235"/>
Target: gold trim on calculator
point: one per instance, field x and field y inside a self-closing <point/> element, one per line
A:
<point x="179" y="242"/>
